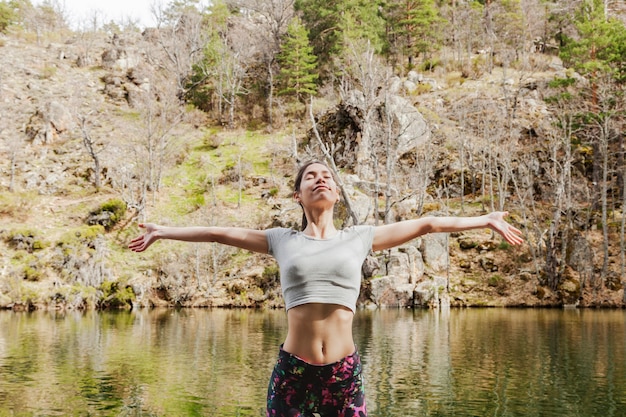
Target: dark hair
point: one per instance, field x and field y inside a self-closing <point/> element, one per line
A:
<point x="296" y="187"/>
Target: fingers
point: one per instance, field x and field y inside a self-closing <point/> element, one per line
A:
<point x="137" y="244"/>
<point x="513" y="235"/>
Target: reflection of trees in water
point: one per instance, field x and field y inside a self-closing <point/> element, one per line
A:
<point x="407" y="351"/>
<point x="218" y="362"/>
<point x="492" y="361"/>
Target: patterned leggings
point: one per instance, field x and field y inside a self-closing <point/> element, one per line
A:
<point x="299" y="389"/>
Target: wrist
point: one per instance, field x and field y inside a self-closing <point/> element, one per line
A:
<point x="159" y="233"/>
<point x="489" y="223"/>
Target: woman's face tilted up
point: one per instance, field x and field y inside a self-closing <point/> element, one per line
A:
<point x="317" y="187"/>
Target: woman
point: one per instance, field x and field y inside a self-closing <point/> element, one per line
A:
<point x="318" y="371"/>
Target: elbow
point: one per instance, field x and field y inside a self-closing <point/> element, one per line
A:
<point x="428" y="226"/>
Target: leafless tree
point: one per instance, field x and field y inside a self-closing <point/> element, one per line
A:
<point x="364" y="81"/>
<point x="328" y="156"/>
<point x="233" y="76"/>
<point x="467" y="31"/>
<point x="559" y="177"/>
<point x="49" y="16"/>
<point x="87" y="36"/>
<point x="181" y="36"/>
<point x="9" y="136"/>
<point x="93" y="148"/>
<point x="483" y="122"/>
<point x="606" y="110"/>
<point x="523" y="183"/>
<point x="275" y="16"/>
<point x="154" y="141"/>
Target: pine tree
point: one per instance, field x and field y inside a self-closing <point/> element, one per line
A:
<point x="329" y="22"/>
<point x="420" y="24"/>
<point x="601" y="46"/>
<point x="298" y="73"/>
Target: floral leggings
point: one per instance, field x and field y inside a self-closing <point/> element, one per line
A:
<point x="299" y="389"/>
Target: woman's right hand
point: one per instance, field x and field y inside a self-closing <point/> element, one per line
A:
<point x="143" y="242"/>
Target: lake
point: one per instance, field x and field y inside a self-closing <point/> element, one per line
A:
<point x="198" y="362"/>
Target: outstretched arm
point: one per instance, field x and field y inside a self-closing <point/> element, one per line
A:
<point x="395" y="234"/>
<point x="249" y="239"/>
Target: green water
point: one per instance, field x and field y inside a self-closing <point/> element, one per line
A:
<point x="473" y="362"/>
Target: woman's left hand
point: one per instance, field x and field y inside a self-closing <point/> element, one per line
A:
<point x="509" y="232"/>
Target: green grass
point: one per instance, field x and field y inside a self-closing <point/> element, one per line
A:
<point x="132" y="116"/>
<point x="209" y="158"/>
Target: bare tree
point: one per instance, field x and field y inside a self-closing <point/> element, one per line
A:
<point x="49" y="16"/>
<point x="181" y="36"/>
<point x="93" y="148"/>
<point x="87" y="36"/>
<point x="523" y="183"/>
<point x="9" y="135"/>
<point x="231" y="50"/>
<point x="275" y="16"/>
<point x="153" y="140"/>
<point x="467" y="32"/>
<point x="233" y="76"/>
<point x="363" y="86"/>
<point x="333" y="166"/>
<point x="559" y="176"/>
<point x="488" y="143"/>
<point x="606" y="122"/>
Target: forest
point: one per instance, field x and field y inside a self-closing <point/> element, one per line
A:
<point x="421" y="107"/>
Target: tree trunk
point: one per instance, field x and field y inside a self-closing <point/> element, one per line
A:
<point x="346" y="198"/>
<point x="603" y="197"/>
<point x="90" y="146"/>
<point x="270" y="95"/>
<point x="12" y="180"/>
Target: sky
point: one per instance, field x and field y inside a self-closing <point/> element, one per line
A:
<point x="116" y="10"/>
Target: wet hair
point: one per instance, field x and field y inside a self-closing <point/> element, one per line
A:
<point x="298" y="182"/>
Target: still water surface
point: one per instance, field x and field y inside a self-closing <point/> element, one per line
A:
<point x="472" y="362"/>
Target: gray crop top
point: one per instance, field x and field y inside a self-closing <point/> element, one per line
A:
<point x="320" y="270"/>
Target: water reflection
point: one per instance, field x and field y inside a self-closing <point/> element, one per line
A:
<point x="496" y="362"/>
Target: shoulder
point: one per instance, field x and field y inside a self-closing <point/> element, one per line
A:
<point x="277" y="236"/>
<point x="363" y="232"/>
<point x="275" y="232"/>
<point x="361" y="229"/>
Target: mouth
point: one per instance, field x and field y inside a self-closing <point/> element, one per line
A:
<point x="321" y="187"/>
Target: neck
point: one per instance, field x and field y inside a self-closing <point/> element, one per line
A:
<point x="320" y="225"/>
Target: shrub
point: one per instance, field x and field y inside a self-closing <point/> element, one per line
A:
<point x="25" y="239"/>
<point x="16" y="205"/>
<point x="81" y="256"/>
<point x="108" y="214"/>
<point x="270" y="278"/>
<point x="504" y="245"/>
<point x="7" y="16"/>
<point x="48" y="72"/>
<point x="32" y="274"/>
<point x="81" y="237"/>
<point x="115" y="295"/>
<point x="499" y="283"/>
<point x="430" y="64"/>
<point x="27" y="266"/>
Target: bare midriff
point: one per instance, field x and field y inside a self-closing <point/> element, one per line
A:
<point x="320" y="333"/>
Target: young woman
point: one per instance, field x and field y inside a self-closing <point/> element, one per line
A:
<point x="318" y="371"/>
